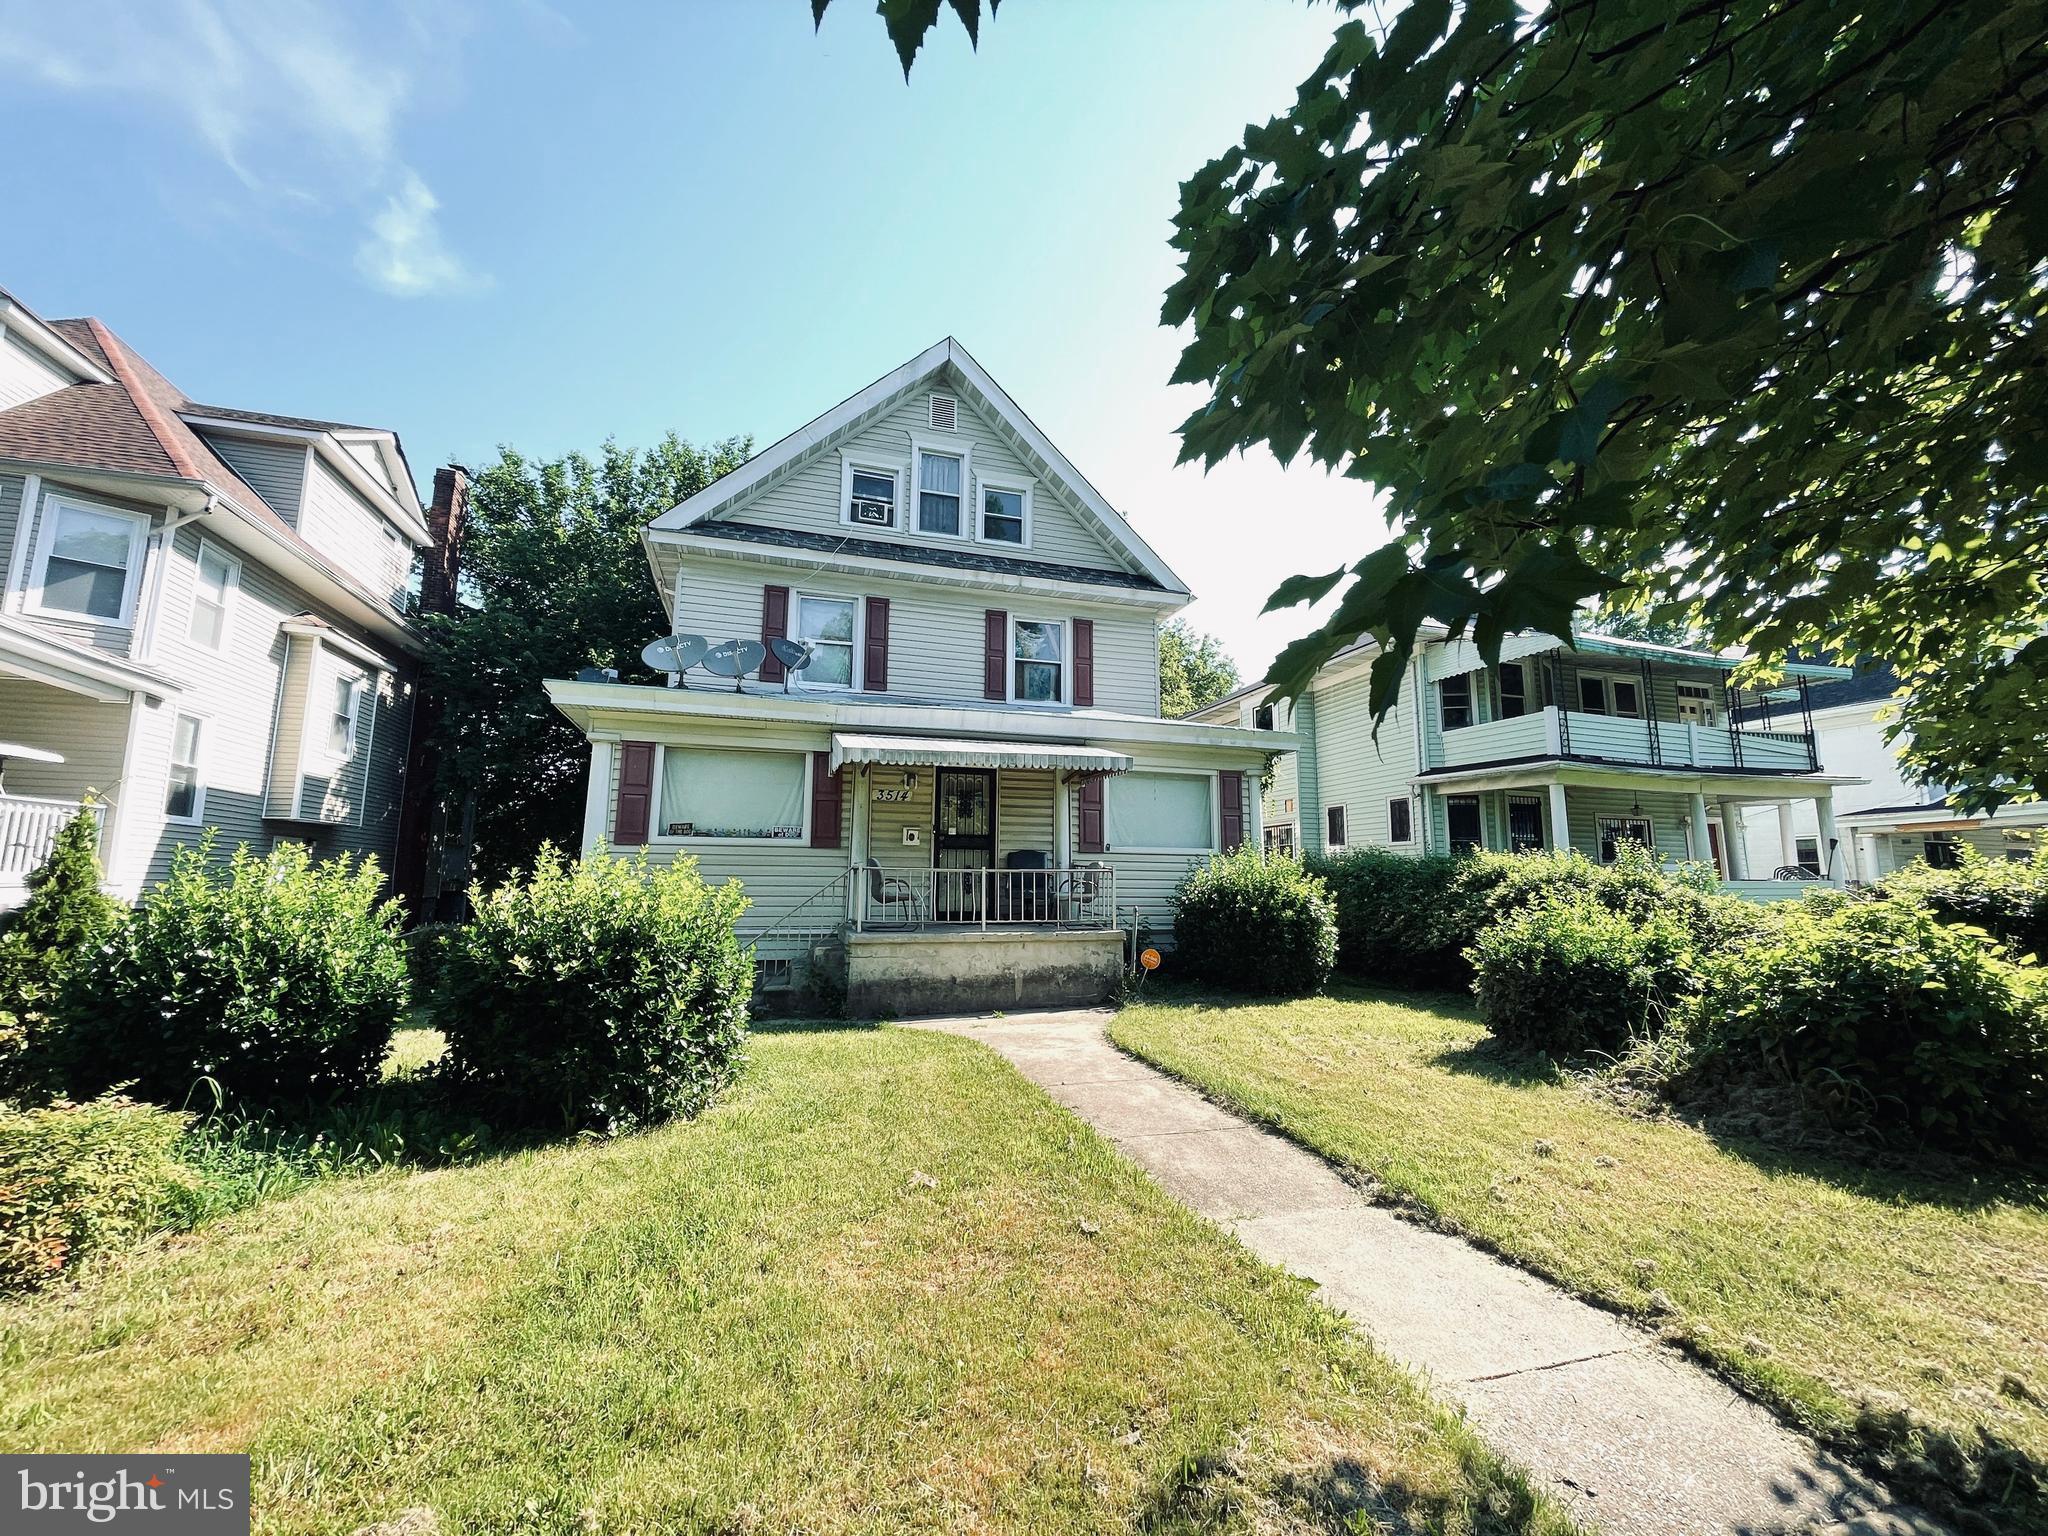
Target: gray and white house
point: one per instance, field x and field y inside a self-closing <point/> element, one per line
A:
<point x="1584" y="746"/>
<point x="202" y="614"/>
<point x="959" y="790"/>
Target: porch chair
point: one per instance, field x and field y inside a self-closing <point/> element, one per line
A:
<point x="886" y="891"/>
<point x="1025" y="896"/>
<point x="1079" y="891"/>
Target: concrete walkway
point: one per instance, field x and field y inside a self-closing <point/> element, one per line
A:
<point x="1629" y="1435"/>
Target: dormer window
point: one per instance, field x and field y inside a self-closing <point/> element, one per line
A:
<point x="940" y="479"/>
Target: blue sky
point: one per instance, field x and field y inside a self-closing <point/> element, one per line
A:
<point x="512" y="223"/>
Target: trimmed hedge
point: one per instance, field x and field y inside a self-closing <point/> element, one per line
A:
<point x="77" y="1179"/>
<point x="1566" y="974"/>
<point x="279" y="979"/>
<point x="1883" y="1018"/>
<point x="600" y="995"/>
<point x="1256" y="925"/>
<point x="1406" y="921"/>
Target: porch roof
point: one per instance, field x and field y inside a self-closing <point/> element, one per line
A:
<point x="31" y="653"/>
<point x="958" y="752"/>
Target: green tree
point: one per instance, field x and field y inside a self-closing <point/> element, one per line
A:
<point x="1733" y="309"/>
<point x="65" y="913"/>
<point x="555" y="579"/>
<point x="1194" y="669"/>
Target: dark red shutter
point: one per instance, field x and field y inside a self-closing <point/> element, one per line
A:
<point x="636" y="794"/>
<point x="1231" y="798"/>
<point x="1084" y="663"/>
<point x="1091" y="816"/>
<point x="875" y="650"/>
<point x="774" y="626"/>
<point x="825" y="800"/>
<point x="995" y="643"/>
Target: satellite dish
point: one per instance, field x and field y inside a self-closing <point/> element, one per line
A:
<point x="724" y="660"/>
<point x="794" y="655"/>
<point x="752" y="654"/>
<point x="660" y="656"/>
<point x="689" y="650"/>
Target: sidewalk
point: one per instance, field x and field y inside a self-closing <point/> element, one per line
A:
<point x="1627" y="1434"/>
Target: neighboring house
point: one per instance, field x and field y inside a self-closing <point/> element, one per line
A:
<point x="1587" y="747"/>
<point x="202" y="617"/>
<point x="1889" y="820"/>
<point x="966" y="795"/>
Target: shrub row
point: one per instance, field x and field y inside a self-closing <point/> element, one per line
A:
<point x="1256" y="925"/>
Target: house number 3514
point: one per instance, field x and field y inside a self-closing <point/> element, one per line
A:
<point x="892" y="796"/>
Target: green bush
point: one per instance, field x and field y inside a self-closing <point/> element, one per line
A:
<point x="1256" y="925"/>
<point x="65" y="914"/>
<point x="77" y="1179"/>
<point x="279" y="979"/>
<point x="598" y="995"/>
<point x="1566" y="974"/>
<point x="1407" y="921"/>
<point x="1883" y="1018"/>
<point x="2007" y="898"/>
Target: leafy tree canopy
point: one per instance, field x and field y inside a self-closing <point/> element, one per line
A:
<point x="1732" y="309"/>
<point x="1194" y="669"/>
<point x="554" y="579"/>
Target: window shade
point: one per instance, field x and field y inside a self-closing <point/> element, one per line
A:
<point x="1159" y="810"/>
<point x="718" y="793"/>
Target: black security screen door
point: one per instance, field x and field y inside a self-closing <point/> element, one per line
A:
<point x="1462" y="813"/>
<point x="963" y="837"/>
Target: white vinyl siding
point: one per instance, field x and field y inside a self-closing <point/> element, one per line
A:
<point x="217" y="576"/>
<point x="25" y="375"/>
<point x="343" y="526"/>
<point x="1361" y="773"/>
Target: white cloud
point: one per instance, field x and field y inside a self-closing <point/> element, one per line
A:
<point x="301" y="100"/>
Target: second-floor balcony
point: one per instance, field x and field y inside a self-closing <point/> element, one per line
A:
<point x="1573" y="734"/>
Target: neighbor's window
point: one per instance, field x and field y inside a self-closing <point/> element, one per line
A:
<point x="1400" y="825"/>
<point x="1454" y="699"/>
<point x="826" y="624"/>
<point x="938" y="492"/>
<point x="1262" y="718"/>
<point x="1039" y="649"/>
<point x="1628" y="698"/>
<point x="1333" y="826"/>
<point x="1943" y="853"/>
<point x="1280" y="840"/>
<point x="1002" y="515"/>
<point x="341" y="721"/>
<point x="1808" y="849"/>
<point x="184" y="797"/>
<point x="1461" y="820"/>
<point x="713" y="792"/>
<point x="1616" y="830"/>
<point x="90" y="563"/>
<point x="1514" y="691"/>
<point x="1164" y="811"/>
<point x="213" y="583"/>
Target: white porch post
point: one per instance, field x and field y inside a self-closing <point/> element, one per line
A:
<point x="1702" y="841"/>
<point x="1560" y="819"/>
<point x="1735" y="840"/>
<point x="1252" y="805"/>
<point x="1062" y="821"/>
<point x="597" y="793"/>
<point x="1788" y="846"/>
<point x="1832" y="858"/>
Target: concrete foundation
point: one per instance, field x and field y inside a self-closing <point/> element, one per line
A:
<point x="904" y="975"/>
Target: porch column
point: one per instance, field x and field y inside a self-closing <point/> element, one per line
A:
<point x="857" y="786"/>
<point x="1788" y="846"/>
<point x="1062" y="821"/>
<point x="1831" y="857"/>
<point x="597" y="794"/>
<point x="1702" y="840"/>
<point x="1735" y="839"/>
<point x="1560" y="820"/>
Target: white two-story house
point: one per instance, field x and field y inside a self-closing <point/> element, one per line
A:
<point x="1585" y="746"/>
<point x="202" y="614"/>
<point x="926" y="734"/>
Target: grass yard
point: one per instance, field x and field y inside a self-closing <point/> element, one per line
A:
<point x="1911" y="1313"/>
<point x="886" y="1285"/>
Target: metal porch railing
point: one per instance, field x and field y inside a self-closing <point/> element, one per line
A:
<point x="1079" y="896"/>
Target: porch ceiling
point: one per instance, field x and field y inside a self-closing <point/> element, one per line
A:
<point x="1733" y="785"/>
<point x="956" y="752"/>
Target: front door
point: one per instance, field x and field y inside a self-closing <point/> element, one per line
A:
<point x="1525" y="824"/>
<point x="1461" y="813"/>
<point x="1714" y="847"/>
<point x="963" y="840"/>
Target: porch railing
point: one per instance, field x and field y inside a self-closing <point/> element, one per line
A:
<point x="1079" y="896"/>
<point x="28" y="828"/>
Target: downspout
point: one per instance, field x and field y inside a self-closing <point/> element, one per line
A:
<point x="1424" y="818"/>
<point x="160" y="578"/>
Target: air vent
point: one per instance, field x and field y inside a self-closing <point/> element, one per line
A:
<point x="944" y="411"/>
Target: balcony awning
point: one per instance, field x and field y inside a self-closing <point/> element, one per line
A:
<point x="954" y="752"/>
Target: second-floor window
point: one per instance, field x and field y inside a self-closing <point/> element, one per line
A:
<point x="1514" y="690"/>
<point x="1038" y="648"/>
<point x="827" y="625"/>
<point x="214" y="579"/>
<point x="1696" y="704"/>
<point x="1454" y="701"/>
<point x="91" y="562"/>
<point x="939" y="483"/>
<point x="1600" y="694"/>
<point x="870" y="498"/>
<point x="341" y="720"/>
<point x="184" y="798"/>
<point x="1004" y="515"/>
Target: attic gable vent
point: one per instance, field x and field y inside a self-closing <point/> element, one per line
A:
<point x="944" y="411"/>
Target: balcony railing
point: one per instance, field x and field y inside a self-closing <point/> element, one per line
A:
<point x="28" y="828"/>
<point x="1080" y="897"/>
<point x="1570" y="733"/>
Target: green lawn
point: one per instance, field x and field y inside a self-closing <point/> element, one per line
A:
<point x="1912" y="1312"/>
<point x="886" y="1285"/>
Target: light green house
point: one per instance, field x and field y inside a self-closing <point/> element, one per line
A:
<point x="1585" y="746"/>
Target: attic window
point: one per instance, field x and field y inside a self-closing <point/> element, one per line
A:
<point x="945" y="411"/>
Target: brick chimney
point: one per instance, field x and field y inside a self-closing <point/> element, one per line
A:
<point x="444" y="555"/>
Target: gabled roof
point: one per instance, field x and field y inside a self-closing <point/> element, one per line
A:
<point x="918" y="554"/>
<point x="944" y="357"/>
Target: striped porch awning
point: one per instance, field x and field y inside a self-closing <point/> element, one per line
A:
<point x="954" y="752"/>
